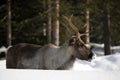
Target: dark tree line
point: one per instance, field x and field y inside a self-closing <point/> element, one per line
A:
<point x="29" y="19"/>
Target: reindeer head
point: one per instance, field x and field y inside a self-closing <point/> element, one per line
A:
<point x="81" y="50"/>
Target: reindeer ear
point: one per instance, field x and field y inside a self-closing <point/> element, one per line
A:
<point x="72" y="41"/>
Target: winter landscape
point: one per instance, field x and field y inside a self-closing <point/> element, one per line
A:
<point x="69" y="39"/>
<point x="101" y="67"/>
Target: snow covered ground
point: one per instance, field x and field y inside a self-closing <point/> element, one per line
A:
<point x="102" y="67"/>
<point x="104" y="63"/>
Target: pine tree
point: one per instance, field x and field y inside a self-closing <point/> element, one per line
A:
<point x="9" y="32"/>
<point x="55" y="38"/>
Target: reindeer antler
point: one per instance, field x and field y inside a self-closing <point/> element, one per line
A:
<point x="70" y="23"/>
<point x="74" y="28"/>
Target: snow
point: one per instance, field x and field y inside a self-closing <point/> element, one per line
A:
<point x="57" y="75"/>
<point x="3" y="49"/>
<point x="104" y="63"/>
<point x="102" y="67"/>
<point x="2" y="64"/>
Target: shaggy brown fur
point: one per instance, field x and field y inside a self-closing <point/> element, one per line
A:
<point x="20" y="50"/>
<point x="29" y="56"/>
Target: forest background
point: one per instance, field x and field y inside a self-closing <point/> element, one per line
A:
<point x="29" y="20"/>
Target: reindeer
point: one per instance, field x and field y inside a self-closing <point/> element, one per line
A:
<point x="52" y="57"/>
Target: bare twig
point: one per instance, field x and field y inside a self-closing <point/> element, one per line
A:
<point x="4" y="18"/>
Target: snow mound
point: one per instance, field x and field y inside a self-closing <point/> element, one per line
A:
<point x="108" y="63"/>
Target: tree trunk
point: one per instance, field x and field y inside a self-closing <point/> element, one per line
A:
<point x="49" y="24"/>
<point x="87" y="22"/>
<point x="106" y="27"/>
<point x="55" y="38"/>
<point x="9" y="32"/>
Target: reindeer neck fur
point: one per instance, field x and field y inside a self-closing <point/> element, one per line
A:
<point x="56" y="57"/>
